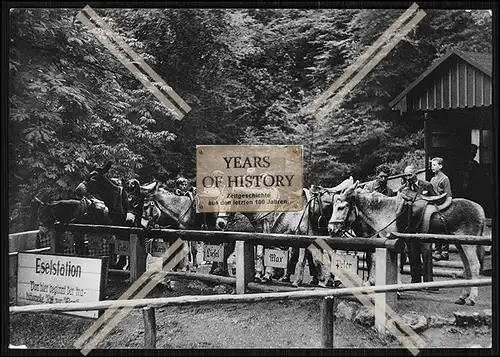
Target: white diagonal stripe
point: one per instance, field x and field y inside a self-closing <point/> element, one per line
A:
<point x="348" y="276"/>
<point x="117" y="38"/>
<point x="130" y="66"/>
<point x="337" y="99"/>
<point x="130" y="291"/>
<point x="140" y="295"/>
<point x="367" y="54"/>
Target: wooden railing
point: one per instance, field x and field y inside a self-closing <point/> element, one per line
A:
<point x="327" y="311"/>
<point x="386" y="250"/>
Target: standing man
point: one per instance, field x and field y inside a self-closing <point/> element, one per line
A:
<point x="441" y="184"/>
<point x="380" y="183"/>
<point x="415" y="248"/>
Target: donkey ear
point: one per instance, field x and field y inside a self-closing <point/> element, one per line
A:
<point x="157" y="187"/>
<point x="356" y="184"/>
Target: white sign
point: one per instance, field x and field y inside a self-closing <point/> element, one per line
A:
<point x="276" y="258"/>
<point x="122" y="247"/>
<point x="342" y="262"/>
<point x="158" y="247"/>
<point x="48" y="279"/>
<point x="213" y="253"/>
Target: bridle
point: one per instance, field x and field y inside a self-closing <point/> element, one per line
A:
<point x="161" y="208"/>
<point x="345" y="225"/>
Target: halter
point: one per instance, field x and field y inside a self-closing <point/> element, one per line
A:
<point x="350" y="203"/>
<point x="351" y="206"/>
<point x="88" y="208"/>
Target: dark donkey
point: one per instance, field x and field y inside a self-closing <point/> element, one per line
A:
<point x="111" y="192"/>
<point x="84" y="211"/>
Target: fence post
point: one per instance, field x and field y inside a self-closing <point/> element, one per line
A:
<point x="245" y="269"/>
<point x="148" y="314"/>
<point x="386" y="272"/>
<point x="327" y="321"/>
<point x="137" y="256"/>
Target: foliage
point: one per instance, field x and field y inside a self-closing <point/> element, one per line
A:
<point x="246" y="73"/>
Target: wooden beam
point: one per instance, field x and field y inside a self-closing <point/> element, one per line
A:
<point x="244" y="266"/>
<point x="148" y="314"/>
<point x="327" y="321"/>
<point x="216" y="279"/>
<point x="444" y="238"/>
<point x="272" y="239"/>
<point x="138" y="256"/>
<point x="386" y="269"/>
<point x="247" y="298"/>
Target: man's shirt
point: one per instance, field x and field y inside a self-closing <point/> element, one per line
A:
<point x="374" y="186"/>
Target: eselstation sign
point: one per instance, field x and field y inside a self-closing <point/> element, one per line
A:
<point x="248" y="178"/>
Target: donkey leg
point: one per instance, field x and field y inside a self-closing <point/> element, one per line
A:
<point x="259" y="263"/>
<point x="292" y="263"/>
<point x="370" y="262"/>
<point x="314" y="268"/>
<point x="322" y="270"/>
<point x="466" y="291"/>
<point x="473" y="272"/>
<point x="194" y="252"/>
<point x="481" y="253"/>
<point x="299" y="275"/>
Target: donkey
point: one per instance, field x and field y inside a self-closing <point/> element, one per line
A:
<point x="110" y="191"/>
<point x="368" y="213"/>
<point x="166" y="209"/>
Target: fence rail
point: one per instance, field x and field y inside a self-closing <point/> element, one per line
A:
<point x="327" y="309"/>
<point x="272" y="239"/>
<point x="247" y="298"/>
<point x="386" y="250"/>
<point x="443" y="238"/>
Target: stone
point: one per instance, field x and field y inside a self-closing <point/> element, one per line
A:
<point x="418" y="323"/>
<point x="197" y="285"/>
<point x="172" y="284"/>
<point x="223" y="289"/>
<point x="487" y="317"/>
<point x="465" y="318"/>
<point x="347" y="310"/>
<point x="438" y="321"/>
<point x="365" y="317"/>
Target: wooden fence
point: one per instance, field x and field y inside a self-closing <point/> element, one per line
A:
<point x="327" y="310"/>
<point x="386" y="274"/>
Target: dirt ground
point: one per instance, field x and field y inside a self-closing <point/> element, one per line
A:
<point x="275" y="324"/>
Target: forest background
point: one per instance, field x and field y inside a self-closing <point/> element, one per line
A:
<point x="246" y="73"/>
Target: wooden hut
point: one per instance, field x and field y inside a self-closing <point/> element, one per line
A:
<point x="454" y="99"/>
